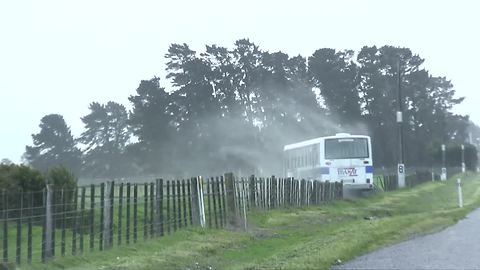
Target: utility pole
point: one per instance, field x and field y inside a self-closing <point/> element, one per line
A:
<point x="443" y="176"/>
<point x="478" y="154"/>
<point x="463" y="159"/>
<point x="401" y="165"/>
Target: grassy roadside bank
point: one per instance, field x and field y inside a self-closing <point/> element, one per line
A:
<point x="310" y="237"/>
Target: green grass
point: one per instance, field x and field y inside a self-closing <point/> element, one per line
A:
<point x="37" y="228"/>
<point x="297" y="238"/>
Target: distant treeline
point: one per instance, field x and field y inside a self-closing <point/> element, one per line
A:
<point x="234" y="109"/>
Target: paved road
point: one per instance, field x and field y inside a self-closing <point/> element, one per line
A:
<point x="457" y="247"/>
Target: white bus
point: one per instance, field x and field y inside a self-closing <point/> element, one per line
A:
<point x="341" y="158"/>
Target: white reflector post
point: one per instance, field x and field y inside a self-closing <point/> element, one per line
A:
<point x="460" y="195"/>
<point x="443" y="176"/>
<point x="401" y="175"/>
<point x="399" y="117"/>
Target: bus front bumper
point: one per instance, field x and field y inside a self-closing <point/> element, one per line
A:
<point x="357" y="186"/>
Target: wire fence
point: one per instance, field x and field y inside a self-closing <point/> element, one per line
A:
<point x="389" y="182"/>
<point x="38" y="226"/>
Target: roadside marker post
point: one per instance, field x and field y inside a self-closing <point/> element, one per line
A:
<point x="401" y="175"/>
<point x="460" y="195"/>
<point x="443" y="176"/>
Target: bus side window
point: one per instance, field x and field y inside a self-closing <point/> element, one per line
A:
<point x="304" y="157"/>
<point x="295" y="157"/>
<point x="299" y="158"/>
<point x="305" y="154"/>
<point x="310" y="156"/>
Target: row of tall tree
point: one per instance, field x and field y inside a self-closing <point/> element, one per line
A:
<point x="234" y="109"/>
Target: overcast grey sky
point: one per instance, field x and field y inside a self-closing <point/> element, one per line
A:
<point x="58" y="56"/>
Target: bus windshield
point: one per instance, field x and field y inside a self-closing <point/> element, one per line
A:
<point x="345" y="148"/>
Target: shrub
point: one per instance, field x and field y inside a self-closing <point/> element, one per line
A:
<point x="15" y="182"/>
<point x="21" y="185"/>
<point x="61" y="178"/>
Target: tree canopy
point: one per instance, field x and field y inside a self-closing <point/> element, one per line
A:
<point x="53" y="146"/>
<point x="233" y="110"/>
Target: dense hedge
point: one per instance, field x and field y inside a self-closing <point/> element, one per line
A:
<point x="19" y="184"/>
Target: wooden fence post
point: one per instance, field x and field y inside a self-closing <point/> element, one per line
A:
<point x="29" y="229"/>
<point x="308" y="184"/>
<point x="145" y="211"/>
<point x="152" y="209"/>
<point x="210" y="197"/>
<point x="230" y="195"/>
<point x="120" y="214"/>
<point x="273" y="192"/>
<point x="92" y="217"/>
<point x="159" y="203"/>
<point x="54" y="218"/>
<point x="18" y="252"/>
<point x="260" y="192"/>
<point x="265" y="193"/>
<point x="285" y="192"/>
<point x="169" y="225"/>
<point x="184" y="201"/>
<point x="292" y="191"/>
<point x="252" y="191"/>
<point x="174" y="206"/>
<point x="201" y="201"/>
<point x="44" y="228"/>
<point x="75" y="221"/>
<point x="335" y="190"/>
<point x="108" y="216"/>
<point x="223" y="203"/>
<point x="48" y="223"/>
<point x="127" y="223"/>
<point x="221" y="200"/>
<point x="198" y="209"/>
<point x="102" y="217"/>
<point x="268" y="194"/>
<point x="135" y="213"/>
<point x="238" y="191"/>
<point x="321" y="191"/>
<point x="189" y="201"/>
<point x="332" y="191"/>
<point x="5" y="225"/>
<point x="82" y="221"/>
<point x="299" y="191"/>
<point x="195" y="202"/>
<point x="314" y="192"/>
<point x="340" y="191"/>
<point x="216" y="194"/>
<point x="179" y="205"/>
